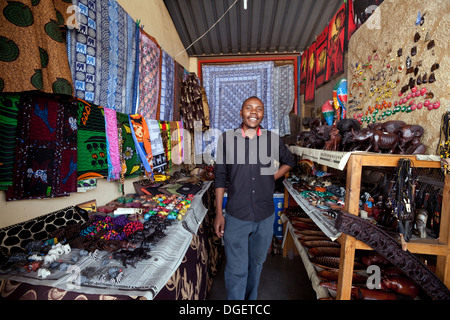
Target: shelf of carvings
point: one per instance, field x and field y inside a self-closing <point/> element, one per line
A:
<point x="353" y="163"/>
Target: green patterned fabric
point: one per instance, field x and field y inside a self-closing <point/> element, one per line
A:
<point x="129" y="153"/>
<point x="9" y="108"/>
<point x="92" y="151"/>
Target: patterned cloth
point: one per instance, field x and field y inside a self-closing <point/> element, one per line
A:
<point x="33" y="53"/>
<point x="9" y="109"/>
<point x="227" y="86"/>
<point x="102" y="53"/>
<point x="129" y="153"/>
<point x="112" y="144"/>
<point x="46" y="148"/>
<point x="159" y="156"/>
<point x="149" y="76"/>
<point x="92" y="151"/>
<point x="167" y="87"/>
<point x="141" y="139"/>
<point x="283" y="97"/>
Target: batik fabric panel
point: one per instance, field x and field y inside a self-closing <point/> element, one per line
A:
<point x="121" y="59"/>
<point x="112" y="144"/>
<point x="311" y="73"/>
<point x="46" y="148"/>
<point x="141" y="137"/>
<point x="92" y="145"/>
<point x="227" y="87"/>
<point x="321" y="57"/>
<point x="178" y="82"/>
<point x="84" y="48"/>
<point x="129" y="153"/>
<point x="150" y="57"/>
<point x="102" y="53"/>
<point x="159" y="155"/>
<point x="336" y="44"/>
<point x="284" y="96"/>
<point x="167" y="87"/>
<point x="9" y="110"/>
<point x="33" y="53"/>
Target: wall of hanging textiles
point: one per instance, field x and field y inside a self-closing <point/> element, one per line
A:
<point x="87" y="80"/>
<point x="401" y="71"/>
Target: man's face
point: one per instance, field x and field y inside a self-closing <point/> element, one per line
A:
<point x="252" y="113"/>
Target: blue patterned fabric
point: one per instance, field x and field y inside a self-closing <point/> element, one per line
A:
<point x="102" y="54"/>
<point x="167" y="87"/>
<point x="283" y="98"/>
<point x="227" y="87"/>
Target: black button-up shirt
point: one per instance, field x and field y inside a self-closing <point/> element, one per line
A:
<point x="246" y="167"/>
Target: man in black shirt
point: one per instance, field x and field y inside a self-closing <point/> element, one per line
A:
<point x="246" y="163"/>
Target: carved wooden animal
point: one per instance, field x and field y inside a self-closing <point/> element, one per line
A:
<point x="378" y="140"/>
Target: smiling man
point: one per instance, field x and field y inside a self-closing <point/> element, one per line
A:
<point x="246" y="168"/>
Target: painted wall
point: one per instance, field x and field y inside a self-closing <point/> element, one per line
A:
<point x="157" y="22"/>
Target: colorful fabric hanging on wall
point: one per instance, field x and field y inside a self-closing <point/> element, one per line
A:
<point x="336" y="44"/>
<point x="149" y="76"/>
<point x="112" y="144"/>
<point x="129" y="153"/>
<point x="46" y="149"/>
<point x="167" y="87"/>
<point x="321" y="57"/>
<point x="228" y="86"/>
<point x="92" y="146"/>
<point x="102" y="53"/>
<point x="142" y="140"/>
<point x="9" y="109"/>
<point x="33" y="53"/>
<point x="159" y="155"/>
<point x="311" y="73"/>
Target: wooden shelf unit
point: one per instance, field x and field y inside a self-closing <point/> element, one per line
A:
<point x="354" y="162"/>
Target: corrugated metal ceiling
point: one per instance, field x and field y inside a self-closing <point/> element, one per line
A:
<point x="267" y="26"/>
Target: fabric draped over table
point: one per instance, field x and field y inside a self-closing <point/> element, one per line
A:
<point x="33" y="53"/>
<point x="102" y="53"/>
<point x="46" y="147"/>
<point x="92" y="150"/>
<point x="150" y="56"/>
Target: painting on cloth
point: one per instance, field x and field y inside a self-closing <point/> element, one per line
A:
<point x="321" y="57"/>
<point x="311" y="74"/>
<point x="336" y="44"/>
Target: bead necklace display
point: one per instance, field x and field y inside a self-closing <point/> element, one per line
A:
<point x="170" y="207"/>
